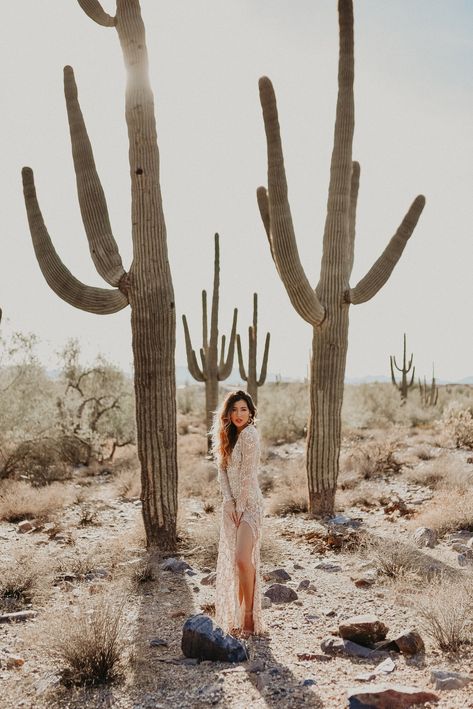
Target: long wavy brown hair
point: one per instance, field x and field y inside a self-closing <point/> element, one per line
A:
<point x="224" y="432"/>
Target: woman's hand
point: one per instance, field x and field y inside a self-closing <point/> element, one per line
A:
<point x="230" y="509"/>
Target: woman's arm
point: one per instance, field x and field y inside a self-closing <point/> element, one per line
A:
<point x="225" y="485"/>
<point x="249" y="463"/>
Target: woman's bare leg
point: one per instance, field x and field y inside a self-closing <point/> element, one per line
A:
<point x="246" y="570"/>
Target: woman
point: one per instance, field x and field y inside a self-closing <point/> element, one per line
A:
<point x="237" y="450"/>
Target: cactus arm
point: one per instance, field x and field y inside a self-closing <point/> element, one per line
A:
<point x="264" y="365"/>
<point x="354" y="187"/>
<point x="95" y="11"/>
<point x="221" y="362"/>
<point x="101" y="301"/>
<point x="411" y="383"/>
<point x="263" y="205"/>
<point x="215" y="296"/>
<point x="241" y="363"/>
<point x="284" y="247"/>
<point x="93" y="206"/>
<point x="203" y="359"/>
<point x="399" y="369"/>
<point x="205" y="340"/>
<point x="393" y="376"/>
<point x="191" y="358"/>
<point x="379" y="273"/>
<point x="225" y="371"/>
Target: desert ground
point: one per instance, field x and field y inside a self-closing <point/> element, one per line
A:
<point x="105" y="621"/>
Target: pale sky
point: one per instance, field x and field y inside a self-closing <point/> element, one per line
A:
<point x="413" y="134"/>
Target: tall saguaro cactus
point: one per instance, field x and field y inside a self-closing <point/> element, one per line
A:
<point x="147" y="287"/>
<point x="251" y="378"/>
<point x="213" y="369"/>
<point x="326" y="307"/>
<point x="429" y="394"/>
<point x="404" y="385"/>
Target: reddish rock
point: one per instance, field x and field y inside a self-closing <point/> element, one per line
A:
<point x="363" y="629"/>
<point x="388" y="696"/>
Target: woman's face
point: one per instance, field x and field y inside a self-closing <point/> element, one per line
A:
<point x="240" y="414"/>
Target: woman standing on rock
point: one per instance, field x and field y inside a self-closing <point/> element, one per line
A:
<point x="237" y="450"/>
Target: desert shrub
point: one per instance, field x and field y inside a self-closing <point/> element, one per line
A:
<point x="283" y="410"/>
<point x="19" y="500"/>
<point x="191" y="400"/>
<point x="449" y="511"/>
<point x="395" y="559"/>
<point x="290" y="494"/>
<point x="446" y="613"/>
<point x="128" y="483"/>
<point x="92" y="650"/>
<point x="459" y="424"/>
<point x="371" y="459"/>
<point x="95" y="408"/>
<point x="24" y="580"/>
<point x="443" y="471"/>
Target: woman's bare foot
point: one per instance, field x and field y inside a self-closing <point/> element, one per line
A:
<point x="248" y="623"/>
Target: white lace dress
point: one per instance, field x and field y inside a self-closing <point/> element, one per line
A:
<point x="239" y="482"/>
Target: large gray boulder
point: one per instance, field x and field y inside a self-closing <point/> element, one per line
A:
<point x="203" y="640"/>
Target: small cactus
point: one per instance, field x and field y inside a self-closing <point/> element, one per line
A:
<point x="429" y="394"/>
<point x="404" y="385"/>
<point x="253" y="382"/>
<point x="213" y="369"/>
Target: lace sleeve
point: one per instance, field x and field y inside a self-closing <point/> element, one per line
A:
<point x="224" y="485"/>
<point x="249" y="463"/>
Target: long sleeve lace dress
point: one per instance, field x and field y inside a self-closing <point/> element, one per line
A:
<point x="240" y="483"/>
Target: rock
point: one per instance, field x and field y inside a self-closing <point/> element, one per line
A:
<point x="266" y="602"/>
<point x="303" y="585"/>
<point x="385" y="667"/>
<point x="363" y="629"/>
<point x="203" y="640"/>
<point x="470" y="543"/>
<point x="365" y="580"/>
<point x="344" y="521"/>
<point x="14" y="661"/>
<point x="409" y="642"/>
<point x="449" y="680"/>
<point x="328" y="566"/>
<point x="308" y="682"/>
<point x="365" y="676"/>
<point x="312" y="588"/>
<point x="339" y="646"/>
<point x="175" y="565"/>
<point x="278" y="593"/>
<point x="158" y="642"/>
<point x="298" y="567"/>
<point x="384" y="696"/>
<point x="303" y="656"/>
<point x="25" y="526"/>
<point x="209" y="580"/>
<point x="425" y="537"/>
<point x="96" y="574"/>
<point x="19" y="616"/>
<point x="466" y="559"/>
<point x="278" y="575"/>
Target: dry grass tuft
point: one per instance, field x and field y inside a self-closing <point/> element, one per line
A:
<point x="128" y="483"/>
<point x="444" y="471"/>
<point x="400" y="561"/>
<point x="18" y="500"/>
<point x="24" y="579"/>
<point x="290" y="490"/>
<point x="371" y="459"/>
<point x="446" y="613"/>
<point x="92" y="650"/>
<point x="449" y="511"/>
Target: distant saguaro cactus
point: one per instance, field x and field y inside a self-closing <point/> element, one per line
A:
<point x="404" y="385"/>
<point x="429" y="394"/>
<point x="147" y="287"/>
<point x="326" y="307"/>
<point x="251" y="377"/>
<point x="213" y="369"/>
